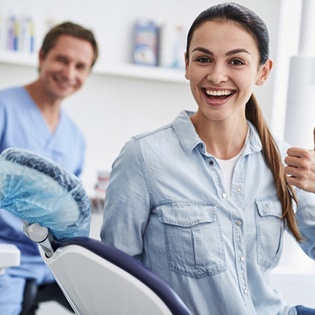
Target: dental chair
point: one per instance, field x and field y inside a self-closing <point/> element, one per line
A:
<point x="96" y="278"/>
<point x="99" y="279"/>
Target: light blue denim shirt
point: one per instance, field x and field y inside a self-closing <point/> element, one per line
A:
<point x="167" y="206"/>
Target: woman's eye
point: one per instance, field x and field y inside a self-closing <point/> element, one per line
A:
<point x="237" y="62"/>
<point x="203" y="59"/>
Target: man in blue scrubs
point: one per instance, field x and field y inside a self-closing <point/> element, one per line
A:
<point x="31" y="118"/>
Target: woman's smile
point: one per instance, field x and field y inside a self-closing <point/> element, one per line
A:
<point x="217" y="97"/>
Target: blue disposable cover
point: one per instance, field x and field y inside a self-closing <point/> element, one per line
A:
<point x="38" y="190"/>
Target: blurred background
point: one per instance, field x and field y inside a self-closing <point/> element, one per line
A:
<point x="128" y="94"/>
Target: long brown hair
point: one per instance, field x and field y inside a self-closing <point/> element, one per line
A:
<point x="272" y="156"/>
<point x="253" y="24"/>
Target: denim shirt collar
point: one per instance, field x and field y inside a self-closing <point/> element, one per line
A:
<point x="253" y="143"/>
<point x="186" y="131"/>
<point x="189" y="138"/>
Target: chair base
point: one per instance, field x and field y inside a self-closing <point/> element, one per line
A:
<point x="34" y="295"/>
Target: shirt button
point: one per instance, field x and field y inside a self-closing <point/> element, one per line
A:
<point x="238" y="189"/>
<point x="211" y="162"/>
<point x="224" y="195"/>
<point x="245" y="291"/>
<point x="242" y="258"/>
<point x="239" y="223"/>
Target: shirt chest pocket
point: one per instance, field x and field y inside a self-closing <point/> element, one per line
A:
<point x="193" y="238"/>
<point x="269" y="226"/>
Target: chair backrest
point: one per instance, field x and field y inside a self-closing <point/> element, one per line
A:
<point x="99" y="279"/>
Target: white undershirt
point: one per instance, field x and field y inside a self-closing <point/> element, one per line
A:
<point x="227" y="167"/>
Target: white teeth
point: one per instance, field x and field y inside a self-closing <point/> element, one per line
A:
<point x="218" y="93"/>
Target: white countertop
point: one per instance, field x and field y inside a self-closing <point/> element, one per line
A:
<point x="9" y="256"/>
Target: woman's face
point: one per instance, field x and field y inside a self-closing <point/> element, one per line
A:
<point x="222" y="68"/>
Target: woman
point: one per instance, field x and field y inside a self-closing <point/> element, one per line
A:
<point x="204" y="201"/>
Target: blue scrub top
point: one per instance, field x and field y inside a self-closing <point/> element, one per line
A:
<point x="22" y="125"/>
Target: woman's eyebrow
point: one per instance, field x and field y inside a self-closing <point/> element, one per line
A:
<point x="204" y="50"/>
<point x="236" y="51"/>
<point x="229" y="53"/>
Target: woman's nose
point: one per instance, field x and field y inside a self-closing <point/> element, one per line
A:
<point x="217" y="74"/>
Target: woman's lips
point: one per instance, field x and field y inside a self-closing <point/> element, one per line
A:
<point x="216" y="97"/>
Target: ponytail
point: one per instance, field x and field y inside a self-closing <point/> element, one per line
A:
<point x="272" y="156"/>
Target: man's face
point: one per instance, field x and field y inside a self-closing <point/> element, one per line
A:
<point x="66" y="66"/>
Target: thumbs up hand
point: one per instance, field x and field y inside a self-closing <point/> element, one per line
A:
<point x="300" y="169"/>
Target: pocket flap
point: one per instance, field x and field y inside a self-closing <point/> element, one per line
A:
<point x="186" y="215"/>
<point x="269" y="207"/>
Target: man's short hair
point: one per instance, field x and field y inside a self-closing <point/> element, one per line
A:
<point x="71" y="29"/>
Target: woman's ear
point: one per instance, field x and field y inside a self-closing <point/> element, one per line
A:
<point x="264" y="72"/>
<point x="186" y="67"/>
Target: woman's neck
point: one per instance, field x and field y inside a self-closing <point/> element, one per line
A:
<point x="223" y="139"/>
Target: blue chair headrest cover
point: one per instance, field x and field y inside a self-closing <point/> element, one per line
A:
<point x="38" y="190"/>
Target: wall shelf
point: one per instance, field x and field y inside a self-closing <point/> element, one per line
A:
<point x="18" y="58"/>
<point x="143" y="72"/>
<point x="124" y="70"/>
